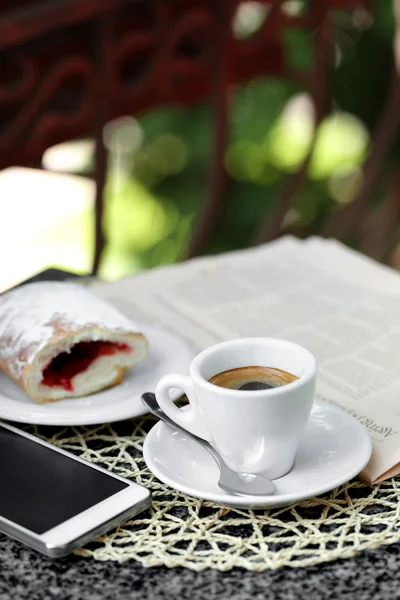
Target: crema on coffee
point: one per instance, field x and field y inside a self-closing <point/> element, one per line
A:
<point x="252" y="378"/>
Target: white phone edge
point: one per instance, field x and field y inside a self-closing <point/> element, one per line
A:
<point x="84" y="527"/>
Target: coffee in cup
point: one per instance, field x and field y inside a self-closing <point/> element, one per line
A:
<point x="252" y="378"/>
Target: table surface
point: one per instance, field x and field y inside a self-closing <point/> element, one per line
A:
<point x="24" y="573"/>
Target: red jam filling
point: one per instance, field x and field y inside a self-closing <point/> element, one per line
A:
<point x="65" y="366"/>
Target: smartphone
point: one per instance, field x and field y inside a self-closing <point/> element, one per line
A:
<point x="55" y="502"/>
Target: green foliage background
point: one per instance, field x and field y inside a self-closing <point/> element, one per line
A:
<point x="152" y="207"/>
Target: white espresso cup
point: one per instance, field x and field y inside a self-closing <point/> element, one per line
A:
<point x="254" y="431"/>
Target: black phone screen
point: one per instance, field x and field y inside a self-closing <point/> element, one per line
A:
<point x="41" y="488"/>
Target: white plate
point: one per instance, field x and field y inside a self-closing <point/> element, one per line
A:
<point x="168" y="353"/>
<point x="335" y="448"/>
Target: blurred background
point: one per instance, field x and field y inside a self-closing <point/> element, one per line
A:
<point x="135" y="134"/>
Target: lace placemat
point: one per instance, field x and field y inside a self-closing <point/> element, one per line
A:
<point x="180" y="531"/>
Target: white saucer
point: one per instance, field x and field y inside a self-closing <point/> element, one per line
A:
<point x="335" y="448"/>
<point x="168" y="353"/>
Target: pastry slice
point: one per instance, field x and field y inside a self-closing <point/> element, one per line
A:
<point x="58" y="340"/>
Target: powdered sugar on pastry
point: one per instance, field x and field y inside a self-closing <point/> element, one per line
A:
<point x="40" y="320"/>
<point x="30" y="313"/>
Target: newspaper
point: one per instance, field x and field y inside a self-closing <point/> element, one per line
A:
<point x="341" y="305"/>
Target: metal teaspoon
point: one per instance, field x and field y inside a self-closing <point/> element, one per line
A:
<point x="241" y="484"/>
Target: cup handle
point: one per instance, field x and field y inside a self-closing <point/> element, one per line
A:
<point x="188" y="419"/>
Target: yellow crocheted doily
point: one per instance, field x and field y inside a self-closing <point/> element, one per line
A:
<point x="180" y="531"/>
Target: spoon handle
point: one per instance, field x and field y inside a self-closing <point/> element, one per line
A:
<point x="229" y="480"/>
<point x="160" y="414"/>
<point x="201" y="442"/>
